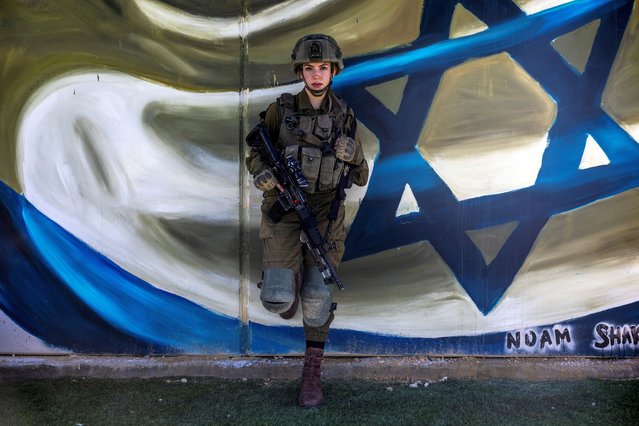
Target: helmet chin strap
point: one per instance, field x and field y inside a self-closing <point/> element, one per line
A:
<point x="318" y="93"/>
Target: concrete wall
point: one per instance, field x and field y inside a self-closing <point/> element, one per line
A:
<point x="501" y="216"/>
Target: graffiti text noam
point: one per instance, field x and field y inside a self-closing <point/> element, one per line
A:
<point x="552" y="338"/>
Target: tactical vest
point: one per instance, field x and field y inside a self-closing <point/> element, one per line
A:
<point x="310" y="139"/>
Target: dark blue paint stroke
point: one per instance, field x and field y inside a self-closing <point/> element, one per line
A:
<point x="493" y="12"/>
<point x="270" y="340"/>
<point x="33" y="297"/>
<point x="60" y="290"/>
<point x="289" y="340"/>
<point x="582" y="338"/>
<point x="547" y="24"/>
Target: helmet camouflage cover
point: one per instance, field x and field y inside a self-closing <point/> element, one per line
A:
<point x="316" y="48"/>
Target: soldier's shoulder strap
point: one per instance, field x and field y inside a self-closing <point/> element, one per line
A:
<point x="287" y="104"/>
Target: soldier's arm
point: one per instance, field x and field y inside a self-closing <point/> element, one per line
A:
<point x="359" y="175"/>
<point x="254" y="162"/>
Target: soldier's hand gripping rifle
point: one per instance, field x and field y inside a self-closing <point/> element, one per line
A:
<point x="292" y="197"/>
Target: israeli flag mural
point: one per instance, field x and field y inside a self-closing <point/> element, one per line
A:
<point x="501" y="216"/>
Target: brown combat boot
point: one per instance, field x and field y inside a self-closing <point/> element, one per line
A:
<point x="311" y="388"/>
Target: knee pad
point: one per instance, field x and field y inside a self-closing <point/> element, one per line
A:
<point x="316" y="298"/>
<point x="278" y="289"/>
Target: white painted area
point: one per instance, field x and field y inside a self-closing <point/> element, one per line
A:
<point x="408" y="203"/>
<point x="487" y="128"/>
<point x="465" y="23"/>
<point x="530" y="7"/>
<point x="487" y="169"/>
<point x="490" y="240"/>
<point x="632" y="129"/>
<point x="146" y="178"/>
<point x="593" y="155"/>
<point x="14" y="340"/>
<point x="390" y="93"/>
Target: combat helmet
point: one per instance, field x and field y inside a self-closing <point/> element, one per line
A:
<point x="317" y="48"/>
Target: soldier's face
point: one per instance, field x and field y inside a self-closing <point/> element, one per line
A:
<point x="317" y="75"/>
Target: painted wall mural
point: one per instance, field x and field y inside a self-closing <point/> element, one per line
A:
<point x="501" y="216"/>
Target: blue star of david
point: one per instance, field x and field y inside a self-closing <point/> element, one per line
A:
<point x="560" y="185"/>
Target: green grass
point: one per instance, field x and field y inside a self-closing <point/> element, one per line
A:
<point x="348" y="402"/>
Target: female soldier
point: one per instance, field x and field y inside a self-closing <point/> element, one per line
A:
<point x="319" y="130"/>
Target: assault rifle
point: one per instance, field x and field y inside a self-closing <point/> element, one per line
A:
<point x="292" y="197"/>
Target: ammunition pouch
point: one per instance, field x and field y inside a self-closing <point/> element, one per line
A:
<point x="322" y="172"/>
